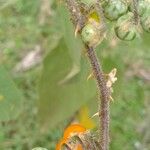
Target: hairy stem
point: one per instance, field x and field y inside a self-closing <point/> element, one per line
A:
<point x="103" y="91"/>
<point x="104" y="98"/>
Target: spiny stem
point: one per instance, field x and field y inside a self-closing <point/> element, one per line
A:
<point x="99" y="76"/>
<point x="76" y="16"/>
<point x="104" y="98"/>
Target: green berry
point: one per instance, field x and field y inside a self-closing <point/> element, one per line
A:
<point x="114" y="9"/>
<point x="145" y="22"/>
<point x="91" y="35"/>
<point x="143" y="6"/>
<point x="124" y="29"/>
<point x="127" y="35"/>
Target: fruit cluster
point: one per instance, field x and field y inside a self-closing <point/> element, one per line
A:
<point x="130" y="17"/>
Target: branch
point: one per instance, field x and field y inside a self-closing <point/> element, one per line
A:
<point x="104" y="94"/>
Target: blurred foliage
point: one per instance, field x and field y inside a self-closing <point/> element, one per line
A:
<point x="10" y="97"/>
<point x="56" y="89"/>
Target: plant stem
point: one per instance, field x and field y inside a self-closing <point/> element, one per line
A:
<point x="103" y="91"/>
<point x="104" y="94"/>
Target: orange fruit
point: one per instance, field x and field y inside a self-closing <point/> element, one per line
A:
<point x="68" y="133"/>
<point x="73" y="129"/>
<point x="79" y="147"/>
<point x="60" y="143"/>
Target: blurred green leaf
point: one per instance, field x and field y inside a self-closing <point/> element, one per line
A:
<point x="10" y="97"/>
<point x="73" y="44"/>
<point x="59" y="100"/>
<point x="6" y="3"/>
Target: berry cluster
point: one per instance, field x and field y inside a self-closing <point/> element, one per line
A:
<point x="130" y="16"/>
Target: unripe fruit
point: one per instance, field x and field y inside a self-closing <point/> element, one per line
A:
<point x="145" y="22"/>
<point x="142" y="7"/>
<point x="114" y="9"/>
<point x="128" y="35"/>
<point x="125" y="30"/>
<point x="91" y="35"/>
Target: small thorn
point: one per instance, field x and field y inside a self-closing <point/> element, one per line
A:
<point x="96" y="114"/>
<point x="77" y="30"/>
<point x="91" y="76"/>
<point x="111" y="99"/>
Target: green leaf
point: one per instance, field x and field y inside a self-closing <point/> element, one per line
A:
<point x="73" y="44"/>
<point x="60" y="100"/>
<point x="10" y="97"/>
